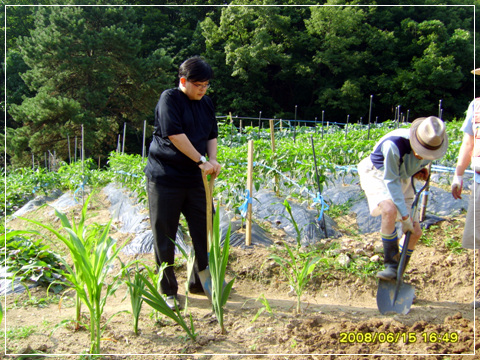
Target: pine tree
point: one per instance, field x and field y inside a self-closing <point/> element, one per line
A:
<point x="85" y="69"/>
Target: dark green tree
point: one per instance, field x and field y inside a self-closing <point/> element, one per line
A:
<point x="85" y="69"/>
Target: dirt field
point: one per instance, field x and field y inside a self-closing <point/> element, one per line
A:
<point x="339" y="312"/>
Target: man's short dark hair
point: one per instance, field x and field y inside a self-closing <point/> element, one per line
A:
<point x="195" y="69"/>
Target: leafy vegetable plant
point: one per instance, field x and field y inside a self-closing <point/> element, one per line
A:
<point x="30" y="259"/>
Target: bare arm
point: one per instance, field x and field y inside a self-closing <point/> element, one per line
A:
<point x="465" y="154"/>
<point x="464" y="158"/>
<point x="182" y="143"/>
<point x="212" y="155"/>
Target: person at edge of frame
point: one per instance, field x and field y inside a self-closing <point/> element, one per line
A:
<point x="470" y="154"/>
<point x="385" y="177"/>
<point x="185" y="134"/>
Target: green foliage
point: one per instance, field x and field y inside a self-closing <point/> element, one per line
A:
<point x="128" y="170"/>
<point x="218" y="261"/>
<point x="298" y="265"/>
<point x="77" y="174"/>
<point x="269" y="59"/>
<point x="78" y="81"/>
<point x="93" y="252"/>
<point x="266" y="307"/>
<point x="22" y="332"/>
<point x="22" y="184"/>
<point x="30" y="259"/>
<point x="135" y="288"/>
<point x="156" y="300"/>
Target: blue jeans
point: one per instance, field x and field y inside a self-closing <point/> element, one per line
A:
<point x="165" y="206"/>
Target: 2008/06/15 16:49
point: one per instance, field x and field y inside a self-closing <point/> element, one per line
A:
<point x="391" y="337"/>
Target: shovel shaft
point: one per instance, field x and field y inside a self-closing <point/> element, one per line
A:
<point x="398" y="285"/>
<point x="208" y="194"/>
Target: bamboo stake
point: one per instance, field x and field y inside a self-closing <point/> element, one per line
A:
<point x="124" y="131"/>
<point x="144" y="129"/>
<point x="69" y="151"/>
<point x="323" y="118"/>
<point x="248" y="234"/>
<point x="295" y="125"/>
<point x="259" y="123"/>
<point x="369" y="117"/>
<point x="346" y="127"/>
<point x="231" y="128"/>
<point x="83" y="162"/>
<point x="272" y="140"/>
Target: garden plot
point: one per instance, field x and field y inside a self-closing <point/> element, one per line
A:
<point x="338" y="305"/>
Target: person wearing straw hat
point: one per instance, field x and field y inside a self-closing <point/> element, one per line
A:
<point x="185" y="132"/>
<point x="470" y="154"/>
<point x="385" y="177"/>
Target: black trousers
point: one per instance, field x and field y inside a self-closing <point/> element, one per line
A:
<point x="166" y="204"/>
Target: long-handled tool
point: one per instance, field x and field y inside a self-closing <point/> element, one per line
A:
<point x="204" y="275"/>
<point x="396" y="295"/>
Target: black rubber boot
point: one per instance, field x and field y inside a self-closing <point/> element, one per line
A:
<point x="390" y="259"/>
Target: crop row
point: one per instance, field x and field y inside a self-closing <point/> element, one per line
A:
<point x="290" y="167"/>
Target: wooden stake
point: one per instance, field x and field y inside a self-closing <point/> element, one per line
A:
<point x="272" y="135"/>
<point x="69" y="151"/>
<point x="272" y="140"/>
<point x="124" y="131"/>
<point x="144" y="129"/>
<point x="248" y="234"/>
<point x="369" y="117"/>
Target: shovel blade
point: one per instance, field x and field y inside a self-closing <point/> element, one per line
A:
<point x="206" y="280"/>
<point x="386" y="294"/>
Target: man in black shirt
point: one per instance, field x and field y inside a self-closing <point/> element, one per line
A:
<point x="185" y="133"/>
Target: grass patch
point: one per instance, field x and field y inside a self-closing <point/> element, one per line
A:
<point x="18" y="333"/>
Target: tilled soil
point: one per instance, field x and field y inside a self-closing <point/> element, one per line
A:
<point x="339" y="312"/>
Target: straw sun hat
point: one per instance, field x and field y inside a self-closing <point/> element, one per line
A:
<point x="428" y="137"/>
<point x="476" y="71"/>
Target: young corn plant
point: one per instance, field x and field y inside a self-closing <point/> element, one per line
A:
<point x="190" y="259"/>
<point x="298" y="266"/>
<point x="134" y="288"/>
<point x="152" y="297"/>
<point x="266" y="307"/>
<point x="217" y="262"/>
<point x="92" y="253"/>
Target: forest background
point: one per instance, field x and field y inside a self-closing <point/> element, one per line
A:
<point x="103" y="67"/>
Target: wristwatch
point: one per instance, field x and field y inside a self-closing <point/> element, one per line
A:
<point x="203" y="160"/>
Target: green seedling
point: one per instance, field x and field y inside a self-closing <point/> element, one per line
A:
<point x="156" y="300"/>
<point x="190" y="258"/>
<point x="218" y="261"/>
<point x="18" y="333"/>
<point x="266" y="307"/>
<point x="134" y="288"/>
<point x="299" y="265"/>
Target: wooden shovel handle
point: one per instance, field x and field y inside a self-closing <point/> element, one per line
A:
<point x="208" y="195"/>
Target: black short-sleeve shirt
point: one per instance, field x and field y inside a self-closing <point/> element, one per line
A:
<point x="176" y="114"/>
